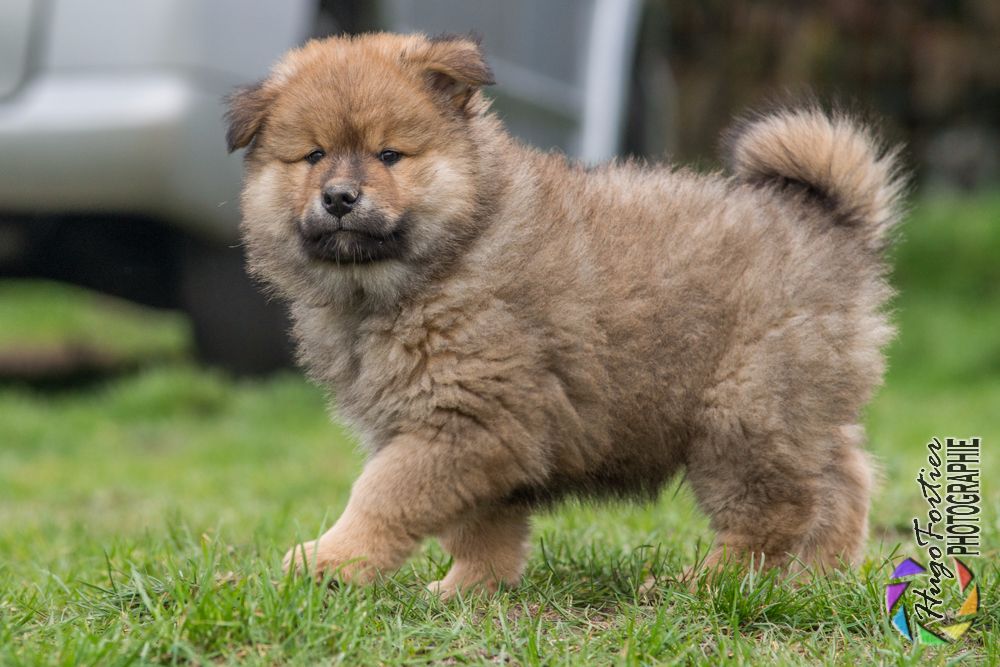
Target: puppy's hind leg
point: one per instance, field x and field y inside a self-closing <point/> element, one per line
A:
<point x="489" y="548"/>
<point x="839" y="534"/>
<point x="760" y="493"/>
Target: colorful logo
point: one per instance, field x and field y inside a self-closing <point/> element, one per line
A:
<point x="945" y="631"/>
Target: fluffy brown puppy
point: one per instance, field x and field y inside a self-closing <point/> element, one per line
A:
<point x="504" y="327"/>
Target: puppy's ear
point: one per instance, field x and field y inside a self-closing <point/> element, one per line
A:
<point x="247" y="109"/>
<point x="455" y="68"/>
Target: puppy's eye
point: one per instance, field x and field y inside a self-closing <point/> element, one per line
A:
<point x="315" y="156"/>
<point x="389" y="157"/>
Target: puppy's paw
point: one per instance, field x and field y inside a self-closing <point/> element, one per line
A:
<point x="690" y="576"/>
<point x="443" y="589"/>
<point x="321" y="557"/>
<point x="301" y="557"/>
<point x="446" y="590"/>
<point x="470" y="579"/>
<point x="652" y="585"/>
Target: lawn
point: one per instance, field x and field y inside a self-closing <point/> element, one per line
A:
<point x="143" y="515"/>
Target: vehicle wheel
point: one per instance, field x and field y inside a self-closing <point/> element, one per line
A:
<point x="235" y="326"/>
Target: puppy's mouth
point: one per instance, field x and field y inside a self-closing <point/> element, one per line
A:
<point x="352" y="246"/>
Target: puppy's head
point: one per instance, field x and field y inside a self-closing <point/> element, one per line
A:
<point x="362" y="165"/>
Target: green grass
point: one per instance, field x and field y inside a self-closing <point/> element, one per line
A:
<point x="142" y="520"/>
<point x="37" y="313"/>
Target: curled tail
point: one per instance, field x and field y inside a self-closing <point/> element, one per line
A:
<point x="831" y="158"/>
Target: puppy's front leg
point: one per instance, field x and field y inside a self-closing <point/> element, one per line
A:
<point x="489" y="548"/>
<point x="412" y="488"/>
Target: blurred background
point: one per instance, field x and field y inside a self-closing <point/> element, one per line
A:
<point x="129" y="334"/>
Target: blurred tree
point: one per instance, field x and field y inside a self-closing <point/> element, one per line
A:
<point x="929" y="70"/>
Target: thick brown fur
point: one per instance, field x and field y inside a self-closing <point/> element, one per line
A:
<point x="540" y="329"/>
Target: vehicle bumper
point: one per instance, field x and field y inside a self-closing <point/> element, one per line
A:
<point x="150" y="144"/>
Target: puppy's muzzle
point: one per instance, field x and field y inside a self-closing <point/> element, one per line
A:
<point x="357" y="237"/>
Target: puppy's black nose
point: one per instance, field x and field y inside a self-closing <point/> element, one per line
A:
<point x="338" y="200"/>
